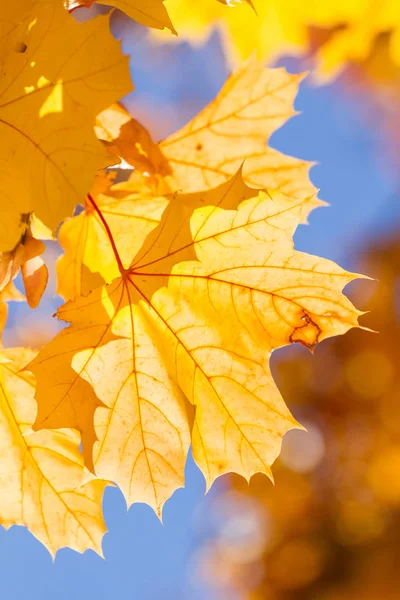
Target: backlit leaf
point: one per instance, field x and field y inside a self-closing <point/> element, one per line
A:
<point x="234" y="129"/>
<point x="214" y="289"/>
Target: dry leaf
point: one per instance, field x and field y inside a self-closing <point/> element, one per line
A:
<point x="26" y="256"/>
<point x="42" y="473"/>
<point x="34" y="272"/>
<point x="128" y="139"/>
<point x="214" y="289"/>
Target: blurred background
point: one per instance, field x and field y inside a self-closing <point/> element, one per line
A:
<point x="329" y="529"/>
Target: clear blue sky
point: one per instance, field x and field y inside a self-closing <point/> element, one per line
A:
<point x="145" y="559"/>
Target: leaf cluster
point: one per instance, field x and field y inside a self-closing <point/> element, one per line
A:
<point x="179" y="282"/>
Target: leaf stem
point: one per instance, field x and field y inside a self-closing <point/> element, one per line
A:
<point x="121" y="267"/>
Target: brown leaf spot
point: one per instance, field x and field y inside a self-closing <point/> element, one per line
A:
<point x="306" y="334"/>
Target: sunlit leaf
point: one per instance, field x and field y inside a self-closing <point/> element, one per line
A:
<point x="214" y="289"/>
<point x="233" y="130"/>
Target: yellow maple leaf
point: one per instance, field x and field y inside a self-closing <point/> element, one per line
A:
<point x="232" y="130"/>
<point x="214" y="289"/>
<point x="50" y="93"/>
<point x="41" y="479"/>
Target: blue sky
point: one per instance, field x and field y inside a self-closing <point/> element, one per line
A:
<point x="144" y="558"/>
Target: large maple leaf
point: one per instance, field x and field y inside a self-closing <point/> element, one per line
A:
<point x="215" y="288"/>
<point x="50" y="93"/>
<point x="42" y="474"/>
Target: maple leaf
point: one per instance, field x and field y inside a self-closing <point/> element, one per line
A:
<point x="214" y="289"/>
<point x="42" y="473"/>
<point x="50" y="93"/>
<point x="232" y="130"/>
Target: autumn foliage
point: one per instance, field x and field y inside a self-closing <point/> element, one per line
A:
<point x="179" y="282"/>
